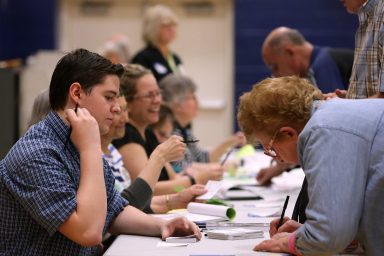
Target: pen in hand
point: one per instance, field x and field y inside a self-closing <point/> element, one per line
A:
<point x="70" y="128"/>
<point x="226" y="157"/>
<point x="283" y="212"/>
<point x="190" y="141"/>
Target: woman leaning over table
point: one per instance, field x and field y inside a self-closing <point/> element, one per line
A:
<point x="339" y="144"/>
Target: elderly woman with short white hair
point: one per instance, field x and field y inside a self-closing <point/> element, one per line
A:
<point x="159" y="31"/>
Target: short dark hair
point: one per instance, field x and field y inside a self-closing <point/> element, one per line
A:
<point x="82" y="66"/>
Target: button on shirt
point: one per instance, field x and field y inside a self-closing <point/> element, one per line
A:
<point x="40" y="177"/>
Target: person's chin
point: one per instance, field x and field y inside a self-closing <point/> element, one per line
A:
<point x="154" y="119"/>
<point x="104" y="130"/>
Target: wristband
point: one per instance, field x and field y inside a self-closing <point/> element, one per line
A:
<point x="291" y="244"/>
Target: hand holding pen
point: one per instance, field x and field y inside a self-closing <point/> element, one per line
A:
<point x="172" y="149"/>
<point x="283" y="224"/>
<point x="283" y="212"/>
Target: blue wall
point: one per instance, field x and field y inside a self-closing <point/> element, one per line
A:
<point x="322" y="22"/>
<point x="26" y="26"/>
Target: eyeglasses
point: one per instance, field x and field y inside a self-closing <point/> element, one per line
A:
<point x="149" y="96"/>
<point x="268" y="150"/>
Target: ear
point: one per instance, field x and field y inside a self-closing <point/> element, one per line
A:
<point x="290" y="132"/>
<point x="289" y="50"/>
<point x="75" y="92"/>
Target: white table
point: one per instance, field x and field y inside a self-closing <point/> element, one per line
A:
<point x="143" y="246"/>
<point x="146" y="246"/>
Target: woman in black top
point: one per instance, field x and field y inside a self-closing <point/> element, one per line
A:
<point x="144" y="99"/>
<point x="159" y="30"/>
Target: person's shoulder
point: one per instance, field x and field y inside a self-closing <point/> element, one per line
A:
<point x="150" y="134"/>
<point x="131" y="136"/>
<point x="177" y="58"/>
<point x="359" y="117"/>
<point x="38" y="142"/>
<point x="145" y="54"/>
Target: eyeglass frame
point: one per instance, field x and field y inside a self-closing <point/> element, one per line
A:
<point x="150" y="96"/>
<point x="269" y="151"/>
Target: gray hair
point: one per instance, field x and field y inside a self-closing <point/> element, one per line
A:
<point x="154" y="17"/>
<point x="41" y="107"/>
<point x="176" y="87"/>
<point x="290" y="35"/>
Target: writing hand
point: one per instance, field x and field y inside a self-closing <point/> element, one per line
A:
<point x="278" y="243"/>
<point x="287" y="226"/>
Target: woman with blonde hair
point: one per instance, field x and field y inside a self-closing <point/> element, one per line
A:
<point x="139" y="192"/>
<point x="144" y="99"/>
<point x="159" y="30"/>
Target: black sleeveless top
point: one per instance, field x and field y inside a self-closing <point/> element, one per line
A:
<point x="150" y="142"/>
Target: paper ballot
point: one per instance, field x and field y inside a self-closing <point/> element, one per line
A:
<point x="212" y="188"/>
<point x="234" y="234"/>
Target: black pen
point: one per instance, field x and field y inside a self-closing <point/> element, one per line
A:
<point x="226" y="156"/>
<point x="283" y="212"/>
<point x="70" y="128"/>
<point x="190" y="141"/>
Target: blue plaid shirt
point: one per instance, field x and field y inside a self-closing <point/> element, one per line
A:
<point x="39" y="181"/>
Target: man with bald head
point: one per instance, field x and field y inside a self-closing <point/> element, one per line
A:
<point x="286" y="52"/>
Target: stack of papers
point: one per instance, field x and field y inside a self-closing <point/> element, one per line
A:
<point x="229" y="190"/>
<point x="234" y="234"/>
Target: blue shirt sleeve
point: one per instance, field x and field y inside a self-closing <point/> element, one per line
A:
<point x="334" y="162"/>
<point x="43" y="187"/>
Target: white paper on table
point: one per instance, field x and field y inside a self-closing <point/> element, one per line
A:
<point x="213" y="187"/>
<point x="208" y="209"/>
<point x="264" y="204"/>
<point x="164" y="244"/>
<point x="288" y="181"/>
<point x="265" y="212"/>
<point x="190" y="216"/>
<point x="203" y="218"/>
